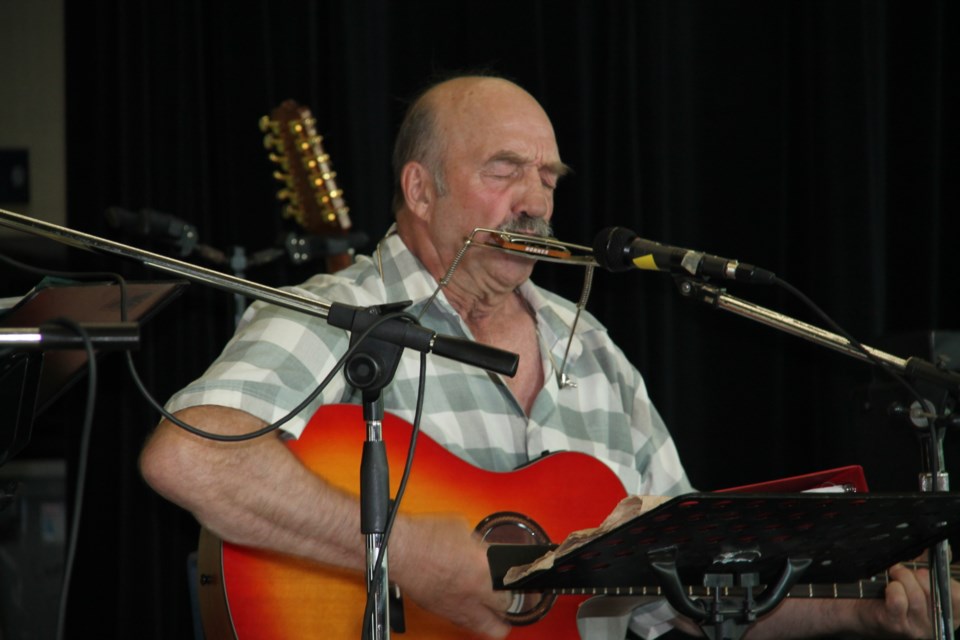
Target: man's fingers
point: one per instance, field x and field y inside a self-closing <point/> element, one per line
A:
<point x="907" y="600"/>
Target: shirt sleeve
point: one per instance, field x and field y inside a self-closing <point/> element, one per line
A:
<point x="277" y="358"/>
<point x="660" y="465"/>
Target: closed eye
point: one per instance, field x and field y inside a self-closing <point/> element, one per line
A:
<point x="507" y="165"/>
<point x="503" y="169"/>
<point x="549" y="179"/>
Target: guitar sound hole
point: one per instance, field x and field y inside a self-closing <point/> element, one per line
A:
<point x="515" y="528"/>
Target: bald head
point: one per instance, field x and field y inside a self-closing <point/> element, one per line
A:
<point x="472" y="96"/>
<point x="453" y="109"/>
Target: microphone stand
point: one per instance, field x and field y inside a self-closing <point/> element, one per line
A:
<point x="369" y="370"/>
<point x="934" y="477"/>
<point x="102" y="335"/>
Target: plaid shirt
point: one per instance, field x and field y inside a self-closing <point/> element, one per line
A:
<point x="278" y="356"/>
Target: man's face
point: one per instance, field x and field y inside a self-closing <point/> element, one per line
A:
<point x="501" y="165"/>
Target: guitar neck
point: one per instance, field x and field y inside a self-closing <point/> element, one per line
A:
<point x="313" y="198"/>
<point x="872" y="588"/>
<point x="863" y="589"/>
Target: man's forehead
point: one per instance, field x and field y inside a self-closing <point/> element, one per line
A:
<point x="492" y="119"/>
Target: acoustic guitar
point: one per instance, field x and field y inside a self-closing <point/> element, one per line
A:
<point x="310" y="189"/>
<point x="247" y="593"/>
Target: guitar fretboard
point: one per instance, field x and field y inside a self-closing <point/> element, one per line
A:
<point x="872" y="588"/>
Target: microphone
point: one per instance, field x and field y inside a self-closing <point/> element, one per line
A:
<point x="619" y="249"/>
<point x="152" y="223"/>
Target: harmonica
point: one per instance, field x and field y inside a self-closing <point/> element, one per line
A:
<point x="535" y="247"/>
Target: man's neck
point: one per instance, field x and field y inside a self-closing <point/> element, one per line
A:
<point x="482" y="311"/>
<point x="512" y="327"/>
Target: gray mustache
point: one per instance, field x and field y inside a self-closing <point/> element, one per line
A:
<point x="528" y="225"/>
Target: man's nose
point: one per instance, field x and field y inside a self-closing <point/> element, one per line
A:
<point x="534" y="199"/>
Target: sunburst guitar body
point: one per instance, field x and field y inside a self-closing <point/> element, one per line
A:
<point x="246" y="593"/>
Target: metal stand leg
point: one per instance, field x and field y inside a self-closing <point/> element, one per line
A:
<point x="370" y="369"/>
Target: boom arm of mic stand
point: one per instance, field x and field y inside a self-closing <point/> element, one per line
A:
<point x="475" y="354"/>
<point x="914" y="367"/>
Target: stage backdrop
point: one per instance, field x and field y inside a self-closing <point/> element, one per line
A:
<point x="815" y="139"/>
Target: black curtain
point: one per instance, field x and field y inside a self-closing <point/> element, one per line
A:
<point x="815" y="139"/>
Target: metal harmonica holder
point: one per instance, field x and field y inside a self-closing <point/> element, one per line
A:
<point x="536" y="247"/>
<point x="541" y="248"/>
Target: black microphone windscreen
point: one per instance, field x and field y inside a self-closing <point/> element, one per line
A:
<point x="609" y="248"/>
<point x="119" y="218"/>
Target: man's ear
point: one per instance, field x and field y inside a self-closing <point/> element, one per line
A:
<point x="419" y="191"/>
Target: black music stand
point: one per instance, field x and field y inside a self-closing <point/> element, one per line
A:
<point x="742" y="540"/>
<point x="34" y="375"/>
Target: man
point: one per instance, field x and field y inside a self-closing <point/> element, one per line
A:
<point x="472" y="152"/>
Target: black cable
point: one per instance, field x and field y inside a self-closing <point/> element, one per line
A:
<point x="395" y="509"/>
<point x="84" y="450"/>
<point x="82" y="456"/>
<point x="146" y="394"/>
<point x="86" y="431"/>
<point x="74" y="275"/>
<point x="275" y="425"/>
<point x="866" y="352"/>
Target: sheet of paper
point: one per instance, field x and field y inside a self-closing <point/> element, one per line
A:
<point x="628" y="509"/>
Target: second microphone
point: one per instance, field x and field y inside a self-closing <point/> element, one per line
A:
<point x="619" y="249"/>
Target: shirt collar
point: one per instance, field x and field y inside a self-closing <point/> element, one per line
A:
<point x="406" y="278"/>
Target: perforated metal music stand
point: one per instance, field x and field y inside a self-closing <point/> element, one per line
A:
<point x="751" y="539"/>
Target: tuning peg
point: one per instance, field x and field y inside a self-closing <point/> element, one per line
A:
<point x="291" y="211"/>
<point x="318" y="182"/>
<point x="285" y="178"/>
<point x="280" y="160"/>
<point x="285" y="194"/>
<point x="266" y="124"/>
<point x="271" y="141"/>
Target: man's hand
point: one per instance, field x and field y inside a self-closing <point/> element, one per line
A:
<point x="443" y="567"/>
<point x="905" y="609"/>
<point x="904" y="612"/>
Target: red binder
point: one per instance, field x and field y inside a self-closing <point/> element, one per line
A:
<point x="849" y="479"/>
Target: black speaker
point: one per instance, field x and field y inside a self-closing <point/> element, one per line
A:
<point x="33" y="531"/>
